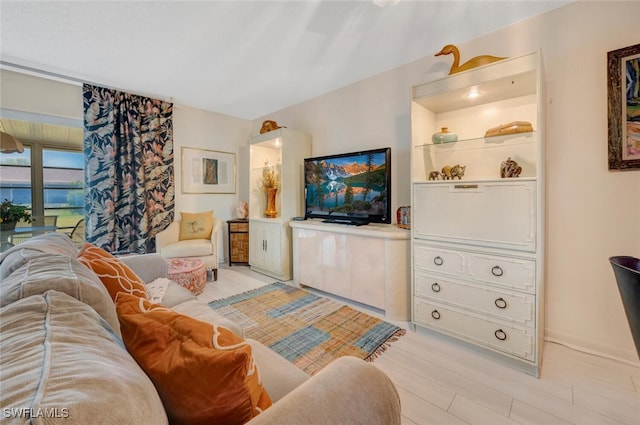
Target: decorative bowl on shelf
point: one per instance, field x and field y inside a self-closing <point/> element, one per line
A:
<point x="444" y="136"/>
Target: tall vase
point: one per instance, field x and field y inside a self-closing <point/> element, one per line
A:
<point x="271" y="211"/>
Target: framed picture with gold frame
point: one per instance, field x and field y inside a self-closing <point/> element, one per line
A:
<point x="207" y="171"/>
<point x="624" y="108"/>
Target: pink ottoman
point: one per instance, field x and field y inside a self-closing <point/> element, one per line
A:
<point x="190" y="273"/>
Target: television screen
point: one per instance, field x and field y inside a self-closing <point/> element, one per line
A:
<point x="350" y="188"/>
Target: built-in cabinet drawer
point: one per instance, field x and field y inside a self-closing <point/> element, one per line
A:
<point x="503" y="304"/>
<point x="516" y="273"/>
<point x="499" y="335"/>
<point x="439" y="260"/>
<point x="500" y="214"/>
<point x="510" y="272"/>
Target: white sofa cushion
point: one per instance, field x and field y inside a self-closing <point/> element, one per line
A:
<point x="188" y="248"/>
<point x="175" y="295"/>
<point x="200" y="310"/>
<point x="279" y="375"/>
<point x="59" y="357"/>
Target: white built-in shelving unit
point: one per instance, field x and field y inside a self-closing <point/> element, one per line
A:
<point x="478" y="242"/>
<point x="270" y="238"/>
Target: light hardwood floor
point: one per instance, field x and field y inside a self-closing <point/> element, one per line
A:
<point x="442" y="383"/>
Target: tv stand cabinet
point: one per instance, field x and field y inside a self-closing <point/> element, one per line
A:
<point x="367" y="264"/>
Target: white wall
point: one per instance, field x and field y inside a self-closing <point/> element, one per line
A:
<point x="197" y="128"/>
<point x="49" y="101"/>
<point x="592" y="213"/>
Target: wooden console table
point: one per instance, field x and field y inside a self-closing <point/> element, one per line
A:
<point x="367" y="264"/>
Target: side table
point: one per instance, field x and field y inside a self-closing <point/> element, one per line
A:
<point x="238" y="241"/>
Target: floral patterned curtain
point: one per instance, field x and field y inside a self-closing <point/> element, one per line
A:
<point x="129" y="182"/>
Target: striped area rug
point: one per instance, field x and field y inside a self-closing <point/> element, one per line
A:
<point x="308" y="330"/>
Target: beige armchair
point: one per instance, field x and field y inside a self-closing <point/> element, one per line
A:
<point x="169" y="245"/>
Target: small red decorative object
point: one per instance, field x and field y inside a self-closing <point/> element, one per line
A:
<point x="404" y="217"/>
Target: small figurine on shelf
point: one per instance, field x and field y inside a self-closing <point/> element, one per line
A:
<point x="444" y="136"/>
<point x="269" y="125"/>
<point x="450" y="173"/>
<point x="434" y="175"/>
<point x="470" y="64"/>
<point x="509" y="168"/>
<point x="242" y="210"/>
<point x="513" y="127"/>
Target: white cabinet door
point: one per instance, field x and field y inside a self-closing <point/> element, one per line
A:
<point x="265" y="247"/>
<point x="257" y="252"/>
<point x="343" y="264"/>
<point x="273" y="247"/>
<point x="499" y="214"/>
<point x="310" y="258"/>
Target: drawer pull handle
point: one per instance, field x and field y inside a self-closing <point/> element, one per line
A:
<point x="497" y="271"/>
<point x="500" y="303"/>
<point x="500" y="334"/>
<point x="438" y="261"/>
<point x="435" y="314"/>
<point x="435" y="287"/>
<point x="466" y="186"/>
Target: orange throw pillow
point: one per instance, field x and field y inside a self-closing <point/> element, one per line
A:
<point x="204" y="374"/>
<point x="114" y="274"/>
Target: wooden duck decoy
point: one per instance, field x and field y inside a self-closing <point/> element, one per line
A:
<point x="471" y="63"/>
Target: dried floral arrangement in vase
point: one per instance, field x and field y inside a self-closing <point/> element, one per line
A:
<point x="270" y="183"/>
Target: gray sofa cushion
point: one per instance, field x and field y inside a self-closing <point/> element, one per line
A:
<point x="59" y="354"/>
<point x="148" y="267"/>
<point x="41" y="272"/>
<point x="52" y="243"/>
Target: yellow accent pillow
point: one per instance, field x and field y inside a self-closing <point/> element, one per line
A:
<point x="196" y="225"/>
<point x="114" y="274"/>
<point x="204" y="373"/>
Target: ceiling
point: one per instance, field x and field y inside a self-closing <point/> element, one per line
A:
<point x="58" y="135"/>
<point x="241" y="58"/>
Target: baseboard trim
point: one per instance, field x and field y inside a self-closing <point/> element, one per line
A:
<point x="576" y="344"/>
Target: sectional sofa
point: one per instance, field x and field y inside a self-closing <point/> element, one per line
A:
<point x="67" y="344"/>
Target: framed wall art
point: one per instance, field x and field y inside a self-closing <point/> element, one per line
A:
<point x="205" y="171"/>
<point x="624" y="108"/>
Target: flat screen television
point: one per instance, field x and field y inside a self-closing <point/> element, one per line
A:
<point x="349" y="188"/>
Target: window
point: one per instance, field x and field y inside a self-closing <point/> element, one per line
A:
<point x="49" y="180"/>
<point x="15" y="177"/>
<point x="62" y="177"/>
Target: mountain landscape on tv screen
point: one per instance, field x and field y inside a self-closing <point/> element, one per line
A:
<point x="356" y="186"/>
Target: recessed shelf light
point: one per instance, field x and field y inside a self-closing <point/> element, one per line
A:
<point x="473" y="94"/>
